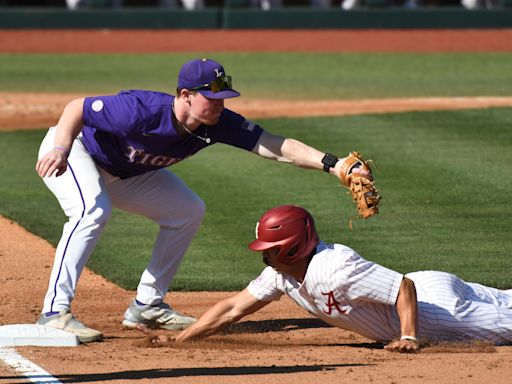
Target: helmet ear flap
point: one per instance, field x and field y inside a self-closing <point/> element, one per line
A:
<point x="288" y="255"/>
<point x="293" y="250"/>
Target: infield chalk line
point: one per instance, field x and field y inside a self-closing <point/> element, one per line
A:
<point x="31" y="371"/>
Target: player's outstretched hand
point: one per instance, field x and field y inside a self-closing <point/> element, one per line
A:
<point x="355" y="174"/>
<point x="403" y="346"/>
<point x="156" y="340"/>
<point x="55" y="160"/>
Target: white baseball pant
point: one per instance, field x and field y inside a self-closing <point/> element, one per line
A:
<point x="451" y="308"/>
<point x="87" y="194"/>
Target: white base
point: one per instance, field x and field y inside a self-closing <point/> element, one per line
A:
<point x="13" y="335"/>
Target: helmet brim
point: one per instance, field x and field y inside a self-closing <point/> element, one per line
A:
<point x="258" y="245"/>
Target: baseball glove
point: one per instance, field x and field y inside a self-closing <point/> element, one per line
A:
<point x="361" y="185"/>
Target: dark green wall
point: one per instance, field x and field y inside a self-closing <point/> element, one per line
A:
<point x="126" y="18"/>
<point x="234" y="18"/>
<point x="369" y="18"/>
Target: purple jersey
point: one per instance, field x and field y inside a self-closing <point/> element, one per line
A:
<point x="133" y="132"/>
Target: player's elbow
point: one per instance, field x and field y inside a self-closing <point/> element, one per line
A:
<point x="76" y="104"/>
<point x="407" y="292"/>
<point x="408" y="285"/>
<point x="269" y="146"/>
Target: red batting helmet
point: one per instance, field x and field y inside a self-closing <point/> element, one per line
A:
<point x="289" y="228"/>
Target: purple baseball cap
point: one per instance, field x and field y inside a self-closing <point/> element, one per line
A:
<point x="206" y="77"/>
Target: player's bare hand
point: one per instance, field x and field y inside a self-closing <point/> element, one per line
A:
<point x="363" y="172"/>
<point x="156" y="340"/>
<point x="403" y="346"/>
<point x="53" y="161"/>
<point x="356" y="169"/>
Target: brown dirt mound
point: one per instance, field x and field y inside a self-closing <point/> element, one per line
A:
<point x="36" y="110"/>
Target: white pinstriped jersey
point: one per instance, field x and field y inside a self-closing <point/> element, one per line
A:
<point x="349" y="292"/>
<point x="341" y="288"/>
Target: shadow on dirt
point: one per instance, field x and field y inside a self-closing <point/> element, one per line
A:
<point x="277" y="325"/>
<point x="286" y="325"/>
<point x="191" y="372"/>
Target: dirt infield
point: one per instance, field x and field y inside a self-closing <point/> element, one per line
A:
<point x="439" y="40"/>
<point x="282" y="343"/>
<point x="29" y="110"/>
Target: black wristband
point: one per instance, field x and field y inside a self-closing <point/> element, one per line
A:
<point x="329" y="161"/>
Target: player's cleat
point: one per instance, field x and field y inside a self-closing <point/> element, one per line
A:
<point x="66" y="321"/>
<point x="155" y="316"/>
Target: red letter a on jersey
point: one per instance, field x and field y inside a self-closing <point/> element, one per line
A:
<point x="332" y="303"/>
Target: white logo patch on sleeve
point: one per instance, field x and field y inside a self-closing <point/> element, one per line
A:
<point x="97" y="105"/>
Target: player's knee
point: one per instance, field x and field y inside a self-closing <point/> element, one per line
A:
<point x="190" y="214"/>
<point x="100" y="214"/>
<point x="197" y="210"/>
<point x="91" y="221"/>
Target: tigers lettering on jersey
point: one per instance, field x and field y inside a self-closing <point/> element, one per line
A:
<point x="139" y="156"/>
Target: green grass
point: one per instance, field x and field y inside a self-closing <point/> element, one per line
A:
<point x="445" y="178"/>
<point x="285" y="75"/>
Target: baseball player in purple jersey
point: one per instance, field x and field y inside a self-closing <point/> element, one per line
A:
<point x="112" y="151"/>
<point x="334" y="283"/>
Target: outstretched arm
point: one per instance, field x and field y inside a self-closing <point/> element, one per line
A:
<point x="352" y="171"/>
<point x="407" y="308"/>
<point x="291" y="151"/>
<point x="223" y="313"/>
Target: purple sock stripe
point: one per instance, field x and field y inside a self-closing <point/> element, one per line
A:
<point x="69" y="238"/>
